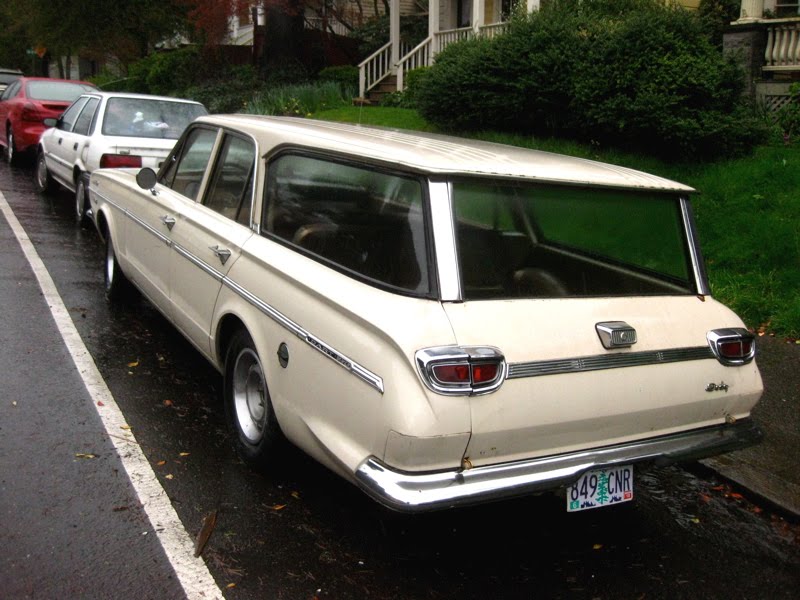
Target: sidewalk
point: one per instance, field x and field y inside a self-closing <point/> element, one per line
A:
<point x="771" y="469"/>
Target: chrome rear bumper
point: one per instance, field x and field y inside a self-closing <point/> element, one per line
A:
<point x="418" y="492"/>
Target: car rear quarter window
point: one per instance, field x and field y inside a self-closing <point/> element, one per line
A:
<point x="186" y="171"/>
<point x="517" y="240"/>
<point x="365" y="221"/>
<point x="71" y="114"/>
<point x="230" y="192"/>
<point x="84" y="120"/>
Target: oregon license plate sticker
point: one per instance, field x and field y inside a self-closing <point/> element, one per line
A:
<point x="603" y="487"/>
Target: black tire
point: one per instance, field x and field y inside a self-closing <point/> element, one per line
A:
<point x="119" y="289"/>
<point x="12" y="156"/>
<point x="81" y="200"/>
<point x="251" y="419"/>
<point x="44" y="182"/>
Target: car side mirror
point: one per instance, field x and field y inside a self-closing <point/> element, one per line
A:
<point x="50" y="122"/>
<point x="146" y="178"/>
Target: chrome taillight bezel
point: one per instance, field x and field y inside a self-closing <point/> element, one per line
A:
<point x="717" y="337"/>
<point x="429" y="358"/>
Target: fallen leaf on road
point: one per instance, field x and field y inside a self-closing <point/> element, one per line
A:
<point x="278" y="507"/>
<point x="100" y="403"/>
<point x="695" y="520"/>
<point x="736" y="496"/>
<point x="167" y="402"/>
<point x="134" y="363"/>
<point x="205" y="532"/>
<point x="124" y="426"/>
<point x="13" y="403"/>
<point x="85" y="455"/>
<point x="183" y="454"/>
<point x="169" y="476"/>
<point x="230" y="586"/>
<point x="296" y="495"/>
<point x="597" y="546"/>
<point x="119" y="508"/>
<point x="161" y="463"/>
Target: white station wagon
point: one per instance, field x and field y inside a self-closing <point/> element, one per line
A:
<point x="440" y="321"/>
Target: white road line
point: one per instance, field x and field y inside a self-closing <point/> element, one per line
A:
<point x="192" y="572"/>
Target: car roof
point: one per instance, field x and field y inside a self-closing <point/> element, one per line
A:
<point x="108" y="95"/>
<point x="439" y="154"/>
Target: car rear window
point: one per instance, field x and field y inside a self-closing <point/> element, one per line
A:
<point x="149" y="118"/>
<point x="517" y="240"/>
<point x="56" y="91"/>
<point x="366" y="221"/>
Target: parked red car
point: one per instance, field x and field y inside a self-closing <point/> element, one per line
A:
<point x="24" y="106"/>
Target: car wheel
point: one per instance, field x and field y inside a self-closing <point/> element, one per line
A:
<point x="81" y="202"/>
<point x="248" y="408"/>
<point x="118" y="288"/>
<point x="11" y="149"/>
<point x="45" y="184"/>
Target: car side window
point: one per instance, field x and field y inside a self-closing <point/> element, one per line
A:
<point x="70" y="115"/>
<point x="355" y="218"/>
<point x="185" y="174"/>
<point x="85" y="119"/>
<point x="231" y="190"/>
<point x="11" y="91"/>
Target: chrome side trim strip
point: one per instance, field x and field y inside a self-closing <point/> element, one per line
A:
<point x="342" y="360"/>
<point x="418" y="492"/>
<point x="698" y="266"/>
<point x="607" y="361"/>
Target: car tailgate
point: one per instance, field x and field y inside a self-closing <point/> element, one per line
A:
<point x="564" y="394"/>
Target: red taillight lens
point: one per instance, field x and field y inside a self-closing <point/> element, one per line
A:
<point x="119" y="161"/>
<point x="31" y="113"/>
<point x="734" y="346"/>
<point x="451" y="373"/>
<point x="461" y="370"/>
<point x="484" y="373"/>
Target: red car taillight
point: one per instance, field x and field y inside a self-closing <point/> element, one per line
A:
<point x="461" y="370"/>
<point x="733" y="346"/>
<point x="30" y="112"/>
<point x="119" y="161"/>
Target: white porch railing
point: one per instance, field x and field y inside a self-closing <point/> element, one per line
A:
<point x="420" y="56"/>
<point x="493" y="29"/>
<point x="783" y="46"/>
<point x="326" y="24"/>
<point x="374" y="68"/>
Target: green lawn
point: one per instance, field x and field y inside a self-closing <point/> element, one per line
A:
<point x="748" y="215"/>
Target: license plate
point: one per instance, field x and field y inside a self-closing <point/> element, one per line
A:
<point x="603" y="487"/>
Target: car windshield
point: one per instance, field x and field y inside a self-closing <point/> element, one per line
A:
<point x="56" y="91"/>
<point x="537" y="241"/>
<point x="149" y="118"/>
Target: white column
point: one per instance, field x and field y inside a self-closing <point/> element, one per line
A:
<point x="394" y="30"/>
<point x="433" y="25"/>
<point x="752" y="10"/>
<point x="533" y="5"/>
<point x="478" y="12"/>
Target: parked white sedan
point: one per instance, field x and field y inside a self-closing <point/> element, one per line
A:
<point x="440" y="321"/>
<point x="106" y="129"/>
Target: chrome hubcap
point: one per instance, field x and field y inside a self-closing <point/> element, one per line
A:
<point x="249" y="395"/>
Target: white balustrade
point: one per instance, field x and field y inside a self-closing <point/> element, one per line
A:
<point x="374" y="68"/>
<point x="783" y="47"/>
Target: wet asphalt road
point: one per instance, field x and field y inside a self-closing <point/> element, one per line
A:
<point x="301" y="532"/>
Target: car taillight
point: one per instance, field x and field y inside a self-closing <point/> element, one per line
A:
<point x="119" y="161"/>
<point x="732" y="347"/>
<point x="30" y="112"/>
<point x="461" y="370"/>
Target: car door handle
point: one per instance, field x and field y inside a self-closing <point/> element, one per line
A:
<point x="223" y="254"/>
<point x="75" y="147"/>
<point x="60" y="140"/>
<point x="168" y="221"/>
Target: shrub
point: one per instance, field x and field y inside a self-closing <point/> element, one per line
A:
<point x="297" y="100"/>
<point x="788" y="117"/>
<point x="345" y="75"/>
<point x="640" y="74"/>
<point x="166" y="72"/>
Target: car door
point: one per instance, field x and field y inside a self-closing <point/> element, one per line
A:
<point x="208" y="237"/>
<point x="61" y="148"/>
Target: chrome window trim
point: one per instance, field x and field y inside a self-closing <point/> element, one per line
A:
<point x="601" y="362"/>
<point x="698" y="267"/>
<point x="444" y="241"/>
<point x="320" y="346"/>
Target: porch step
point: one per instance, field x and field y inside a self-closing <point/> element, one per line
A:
<point x="387" y="86"/>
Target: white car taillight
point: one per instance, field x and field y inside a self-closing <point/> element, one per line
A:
<point x="733" y="346"/>
<point x="461" y="370"/>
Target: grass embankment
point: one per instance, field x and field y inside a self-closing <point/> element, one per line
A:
<point x="747" y="211"/>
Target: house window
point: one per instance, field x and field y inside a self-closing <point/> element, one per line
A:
<point x="787" y="9"/>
